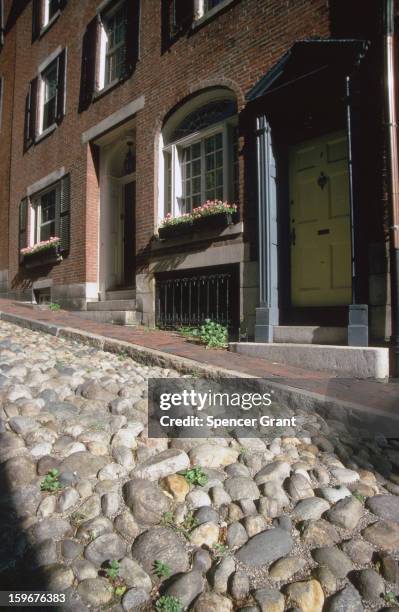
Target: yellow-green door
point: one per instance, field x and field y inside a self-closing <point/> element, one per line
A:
<point x="320" y="222"/>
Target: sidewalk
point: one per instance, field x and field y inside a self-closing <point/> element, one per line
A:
<point x="185" y="356"/>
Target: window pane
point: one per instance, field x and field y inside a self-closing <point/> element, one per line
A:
<point x="47" y="231"/>
<point x="48" y="206"/>
<point x="52" y="8"/>
<point x="214" y="167"/>
<point x="115" y="31"/>
<point x="196" y="150"/>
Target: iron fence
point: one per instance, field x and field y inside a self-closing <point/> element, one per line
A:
<point x="187" y="300"/>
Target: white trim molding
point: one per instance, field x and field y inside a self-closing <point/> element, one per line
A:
<point x="113" y="120"/>
<point x="46" y="181"/>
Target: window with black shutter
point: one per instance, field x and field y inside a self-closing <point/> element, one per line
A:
<point x="183" y="14"/>
<point x="51" y="214"/>
<point x="116" y="51"/>
<point x="65" y="205"/>
<point x="23" y="226"/>
<point x="45" y="100"/>
<point x="44" y="13"/>
<point x="30" y="114"/>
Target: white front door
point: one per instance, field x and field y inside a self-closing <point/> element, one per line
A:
<point x="115" y="233"/>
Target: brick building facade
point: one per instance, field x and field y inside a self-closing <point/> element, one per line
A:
<point x="116" y="113"/>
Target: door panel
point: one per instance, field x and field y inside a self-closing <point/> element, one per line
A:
<point x="320" y="223"/>
<point x="129" y="235"/>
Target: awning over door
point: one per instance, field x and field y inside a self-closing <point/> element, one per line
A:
<point x="309" y="57"/>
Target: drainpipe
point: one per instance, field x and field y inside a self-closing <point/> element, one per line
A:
<point x="393" y="173"/>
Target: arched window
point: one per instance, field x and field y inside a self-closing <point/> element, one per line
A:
<point x="199" y="154"/>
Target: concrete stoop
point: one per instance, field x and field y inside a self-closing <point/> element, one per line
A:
<point x="351" y="361"/>
<point x="116" y="311"/>
<point x="309" y="334"/>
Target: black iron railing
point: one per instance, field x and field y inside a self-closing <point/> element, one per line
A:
<point x="190" y="299"/>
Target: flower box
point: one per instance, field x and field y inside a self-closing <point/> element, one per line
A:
<point x="211" y="215"/>
<point x="176" y="230"/>
<point x="219" y="220"/>
<point x="42" y="254"/>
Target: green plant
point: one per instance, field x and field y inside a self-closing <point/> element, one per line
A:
<point x="161" y="569"/>
<point x="391" y="598"/>
<point x="50" y="482"/>
<point x="219" y="550"/>
<point x="195" y="476"/>
<point x="120" y="590"/>
<point x="212" y="334"/>
<point x="167" y="603"/>
<point x="112" y="571"/>
<point x="189" y="522"/>
<point x="54" y="306"/>
<point x="92" y="535"/>
<point x="357" y="495"/>
<point x="168" y="518"/>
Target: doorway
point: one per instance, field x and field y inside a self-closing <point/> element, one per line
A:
<point x="319" y="214"/>
<point x="129" y="234"/>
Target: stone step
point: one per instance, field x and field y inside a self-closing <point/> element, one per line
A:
<point x="344" y="361"/>
<point x="112" y="305"/>
<point x="310" y="334"/>
<point x="121" y="294"/>
<point x="117" y="317"/>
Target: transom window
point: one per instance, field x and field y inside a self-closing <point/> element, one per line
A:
<point x="50" y="81"/>
<point x="46" y="207"/>
<point x="113" y="45"/>
<point x="203" y="165"/>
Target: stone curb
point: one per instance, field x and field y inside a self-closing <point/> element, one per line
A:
<point x="293" y="397"/>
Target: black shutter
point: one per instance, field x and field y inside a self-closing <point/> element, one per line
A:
<point x="62" y="4"/>
<point x="60" y="110"/>
<point x="65" y="199"/>
<point x="23" y="226"/>
<point x="183" y="14"/>
<point x="132" y="37"/>
<point x="88" y="69"/>
<point x="30" y="114"/>
<point x="37" y="18"/>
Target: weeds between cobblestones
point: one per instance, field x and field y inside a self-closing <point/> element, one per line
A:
<point x="308" y="523"/>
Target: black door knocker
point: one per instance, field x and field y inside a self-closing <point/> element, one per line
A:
<point x="322" y="180"/>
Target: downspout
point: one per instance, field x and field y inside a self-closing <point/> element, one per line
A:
<point x="393" y="173"/>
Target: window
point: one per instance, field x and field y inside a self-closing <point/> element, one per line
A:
<point x="202" y="7"/>
<point x="45" y="101"/>
<point x="49" y="79"/>
<point x="110" y="49"/>
<point x="49" y="214"/>
<point x="44" y="13"/>
<point x="200" y="159"/>
<point x="114" y="43"/>
<point x="46" y="213"/>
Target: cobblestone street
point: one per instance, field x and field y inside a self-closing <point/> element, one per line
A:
<point x="91" y="507"/>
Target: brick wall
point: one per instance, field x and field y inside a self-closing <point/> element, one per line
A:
<point x="234" y="49"/>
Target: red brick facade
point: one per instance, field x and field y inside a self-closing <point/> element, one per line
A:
<point x="234" y="49"/>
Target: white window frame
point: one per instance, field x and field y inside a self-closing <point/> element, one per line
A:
<point x="46" y="14"/>
<point x="225" y="127"/>
<point x="40" y="93"/>
<point x="202" y="12"/>
<point x="103" y="53"/>
<point x="35" y="212"/>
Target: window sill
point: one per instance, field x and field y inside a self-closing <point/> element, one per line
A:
<point x="197" y="23"/>
<point x="99" y="93"/>
<point x="199" y="235"/>
<point x="48" y="25"/>
<point x="45" y="133"/>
